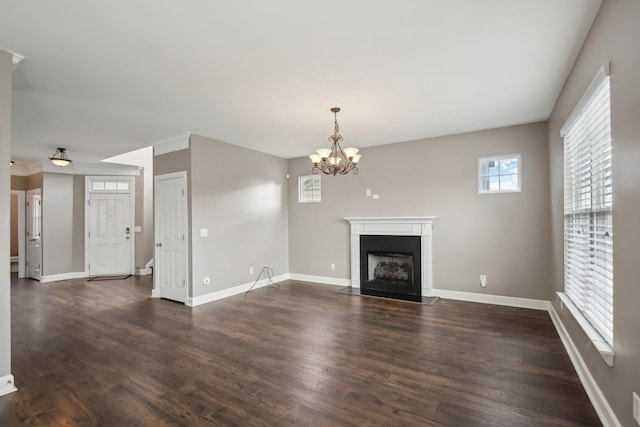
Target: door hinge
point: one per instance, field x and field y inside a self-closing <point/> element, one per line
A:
<point x="183" y="191"/>
<point x="89" y="202"/>
<point x="183" y="237"/>
<point x="184" y="283"/>
<point x="89" y="234"/>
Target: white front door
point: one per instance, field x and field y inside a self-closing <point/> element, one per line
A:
<point x="34" y="234"/>
<point x="109" y="234"/>
<point x="170" y="258"/>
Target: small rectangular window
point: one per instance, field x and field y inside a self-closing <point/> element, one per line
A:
<point x="500" y="174"/>
<point x="309" y="189"/>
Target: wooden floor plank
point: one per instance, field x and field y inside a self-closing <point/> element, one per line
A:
<point x="105" y="353"/>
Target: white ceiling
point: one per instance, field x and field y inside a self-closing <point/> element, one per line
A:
<point x="106" y="77"/>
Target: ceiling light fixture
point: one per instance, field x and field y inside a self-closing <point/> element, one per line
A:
<point x="60" y="158"/>
<point x="335" y="160"/>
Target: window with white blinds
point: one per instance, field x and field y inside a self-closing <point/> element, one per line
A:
<point x="588" y="231"/>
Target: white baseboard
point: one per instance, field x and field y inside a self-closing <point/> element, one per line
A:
<point x="599" y="402"/>
<point x="225" y="293"/>
<point x="7" y="385"/>
<point x="63" y="276"/>
<point x="535" y="304"/>
<point x="155" y="293"/>
<point x="320" y="279"/>
<point x="143" y="271"/>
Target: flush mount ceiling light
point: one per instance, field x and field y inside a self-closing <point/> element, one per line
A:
<point x="12" y="163"/>
<point x="60" y="158"/>
<point x="335" y="160"/>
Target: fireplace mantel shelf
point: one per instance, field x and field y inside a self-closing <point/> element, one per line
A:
<point x="390" y="219"/>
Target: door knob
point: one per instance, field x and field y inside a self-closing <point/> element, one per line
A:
<point x="158" y="244"/>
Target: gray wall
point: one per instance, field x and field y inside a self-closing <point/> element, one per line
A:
<point x="77" y="232"/>
<point x="614" y="37"/>
<point x="240" y="196"/>
<point x="505" y="236"/>
<point x="5" y="214"/>
<point x="57" y="224"/>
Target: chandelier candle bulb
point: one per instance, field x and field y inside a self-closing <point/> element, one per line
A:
<point x="350" y="152"/>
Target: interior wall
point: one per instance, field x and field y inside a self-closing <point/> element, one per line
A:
<point x="35" y="181"/>
<point x="505" y="236"/>
<point x="242" y="202"/>
<point x="19" y="182"/>
<point x="613" y="37"/>
<point x="5" y="213"/>
<point x="78" y="232"/>
<point x="57" y="224"/>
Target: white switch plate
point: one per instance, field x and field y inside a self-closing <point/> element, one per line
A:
<point x="204" y="232"/>
<point x="332" y="266"/>
<point x="368" y="192"/>
<point x="376" y="197"/>
<point x="636" y="407"/>
<point x="137" y="229"/>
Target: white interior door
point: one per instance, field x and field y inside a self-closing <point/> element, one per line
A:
<point x="34" y="234"/>
<point x="170" y="258"/>
<point x="109" y="234"/>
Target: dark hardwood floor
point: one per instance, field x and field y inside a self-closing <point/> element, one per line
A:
<point x="104" y="353"/>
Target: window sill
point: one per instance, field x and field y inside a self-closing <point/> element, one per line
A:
<point x="603" y="347"/>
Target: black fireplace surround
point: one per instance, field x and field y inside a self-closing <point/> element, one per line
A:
<point x="390" y="266"/>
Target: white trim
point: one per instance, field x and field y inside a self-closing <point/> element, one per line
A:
<point x="599" y="343"/>
<point x="7" y="384"/>
<point x="389" y="219"/>
<point x="171" y="144"/>
<point x="63" y="276"/>
<point x="577" y="110"/>
<point x="599" y="402"/>
<point x="320" y="279"/>
<point x="224" y="293"/>
<point x="534" y="304"/>
<point x="143" y="271"/>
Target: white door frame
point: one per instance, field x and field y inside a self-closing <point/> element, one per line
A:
<point x="88" y="180"/>
<point x="37" y="191"/>
<point x="155" y="293"/>
<point x="22" y="231"/>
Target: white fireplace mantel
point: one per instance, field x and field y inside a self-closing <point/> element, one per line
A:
<point x="394" y="226"/>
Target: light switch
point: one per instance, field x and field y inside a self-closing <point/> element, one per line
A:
<point x="137" y="229"/>
<point x="204" y="232"/>
<point x="368" y="192"/>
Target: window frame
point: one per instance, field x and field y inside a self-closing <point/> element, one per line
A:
<point x="588" y="282"/>
<point x="498" y="158"/>
<point x="316" y="193"/>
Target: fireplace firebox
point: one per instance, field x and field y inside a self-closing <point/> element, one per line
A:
<point x="390" y="266"/>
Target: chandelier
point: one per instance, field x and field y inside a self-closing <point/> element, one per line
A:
<point x="335" y="160"/>
<point x="60" y="158"/>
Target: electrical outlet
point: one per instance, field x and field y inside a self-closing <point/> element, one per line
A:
<point x="636" y="407"/>
<point x="332" y="266"/>
<point x="250" y="270"/>
<point x="483" y="280"/>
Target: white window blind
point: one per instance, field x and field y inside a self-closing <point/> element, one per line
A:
<point x="588" y="231"/>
